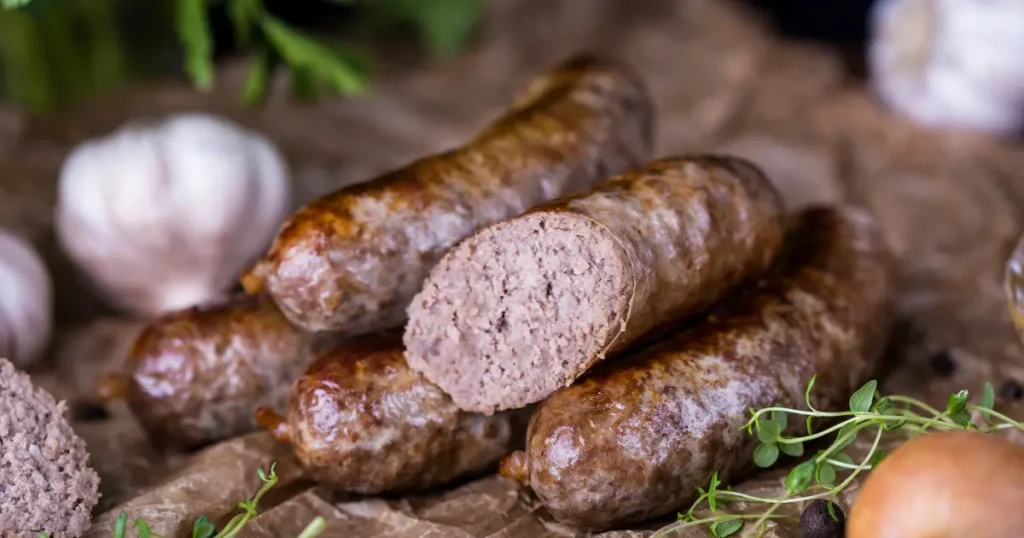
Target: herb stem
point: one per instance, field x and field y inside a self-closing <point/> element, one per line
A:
<point x="1009" y="421"/>
<point x="844" y="465"/>
<point x="866" y="460"/>
<point x="916" y="403"/>
<point x="765" y="516"/>
<point x="822" y="433"/>
<point x="664" y="531"/>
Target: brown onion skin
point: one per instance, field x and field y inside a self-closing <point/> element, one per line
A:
<point x="944" y="485"/>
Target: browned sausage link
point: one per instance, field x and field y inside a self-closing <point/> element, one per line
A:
<point x="352" y="260"/>
<point x="361" y="421"/>
<point x="636" y="436"/>
<point x="524" y="307"/>
<point x="196" y="375"/>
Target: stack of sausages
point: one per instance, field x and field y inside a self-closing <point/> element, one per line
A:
<point x="545" y="296"/>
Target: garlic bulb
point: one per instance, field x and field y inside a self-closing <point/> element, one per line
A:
<point x="951" y="63"/>
<point x="26" y="301"/>
<point x="165" y="216"/>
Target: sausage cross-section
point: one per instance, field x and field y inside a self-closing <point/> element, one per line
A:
<point x="361" y="421"/>
<point x="525" y="306"/>
<point x="194" y="376"/>
<point x="635" y="437"/>
<point x="351" y="261"/>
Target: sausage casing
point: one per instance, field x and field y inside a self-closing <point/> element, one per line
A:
<point x="351" y="261"/>
<point x="635" y="437"/>
<point x="522" y="308"/>
<point x="361" y="421"/>
<point x="197" y="374"/>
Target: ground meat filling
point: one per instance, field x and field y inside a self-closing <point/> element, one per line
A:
<point x="520" y="306"/>
<point x="46" y="483"/>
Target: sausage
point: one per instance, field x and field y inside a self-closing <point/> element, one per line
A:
<point x="351" y="261"/>
<point x="635" y="437"/>
<point x="194" y="376"/>
<point x="361" y="421"/>
<point x="524" y="307"/>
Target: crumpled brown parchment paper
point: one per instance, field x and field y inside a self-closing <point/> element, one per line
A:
<point x="950" y="205"/>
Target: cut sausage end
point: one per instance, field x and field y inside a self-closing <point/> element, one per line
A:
<point x="515" y="467"/>
<point x="111" y="388"/>
<point x="519" y="310"/>
<point x="274" y="423"/>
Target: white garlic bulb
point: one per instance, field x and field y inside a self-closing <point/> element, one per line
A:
<point x="951" y="63"/>
<point x="165" y="216"/>
<point x="26" y="301"/>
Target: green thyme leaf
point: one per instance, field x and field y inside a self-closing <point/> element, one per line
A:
<point x="780" y="418"/>
<point x="193" y="26"/>
<point x="847" y="435"/>
<point x="876" y="458"/>
<point x="961" y="418"/>
<point x="302" y="52"/>
<point x="988" y="399"/>
<point x="810" y="431"/>
<point x="259" y="75"/>
<point x="143" y="529"/>
<point x="807" y="396"/>
<point x="721" y="529"/>
<point x="766" y="454"/>
<point x="895" y="425"/>
<point x="792" y="449"/>
<point x="882" y="406"/>
<point x="957" y="402"/>
<point x="119" y="527"/>
<point x="203" y="528"/>
<point x="244" y="15"/>
<point x="768" y="430"/>
<point x="841" y="457"/>
<point x="712" y="489"/>
<point x="860" y="402"/>
<point x="832" y="511"/>
<point x="825" y="475"/>
<point x="800" y="477"/>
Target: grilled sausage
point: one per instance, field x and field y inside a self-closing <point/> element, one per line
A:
<point x="635" y="437"/>
<point x="524" y="307"/>
<point x="194" y="376"/>
<point x="361" y="421"/>
<point x="351" y="261"/>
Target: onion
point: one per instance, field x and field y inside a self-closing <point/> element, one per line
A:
<point x="951" y="484"/>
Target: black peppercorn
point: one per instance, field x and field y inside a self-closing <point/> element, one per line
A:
<point x="943" y="364"/>
<point x="817" y="522"/>
<point x="1011" y="390"/>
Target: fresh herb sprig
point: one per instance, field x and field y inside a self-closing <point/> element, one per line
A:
<point x="203" y="528"/>
<point x="819" y="476"/>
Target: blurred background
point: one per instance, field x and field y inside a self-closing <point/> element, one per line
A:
<point x="56" y="51"/>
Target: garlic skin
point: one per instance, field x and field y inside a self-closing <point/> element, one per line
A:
<point x="951" y="63"/>
<point x="26" y="301"/>
<point x="165" y="216"/>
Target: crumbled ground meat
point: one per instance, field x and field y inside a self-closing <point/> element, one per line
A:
<point x="46" y="483"/>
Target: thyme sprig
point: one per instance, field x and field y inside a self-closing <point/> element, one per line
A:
<point x="822" y="476"/>
<point x="203" y="528"/>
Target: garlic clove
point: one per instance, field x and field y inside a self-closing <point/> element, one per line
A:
<point x="164" y="215"/>
<point x="26" y="301"/>
<point x="951" y="63"/>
